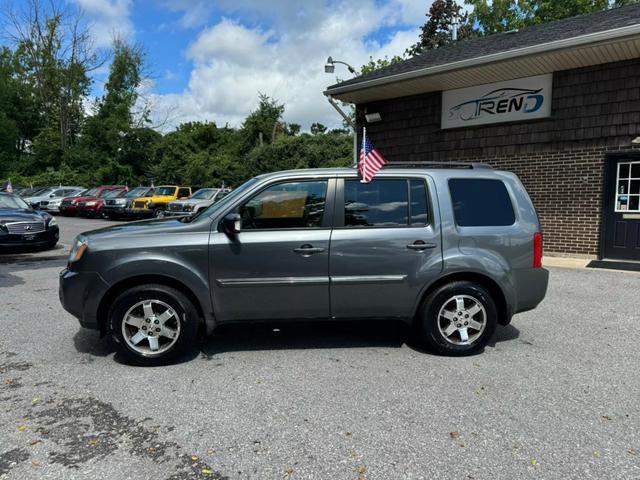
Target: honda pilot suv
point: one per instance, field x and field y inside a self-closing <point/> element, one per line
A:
<point x="454" y="251"/>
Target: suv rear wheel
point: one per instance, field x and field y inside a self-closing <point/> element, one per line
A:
<point x="458" y="319"/>
<point x="153" y="324"/>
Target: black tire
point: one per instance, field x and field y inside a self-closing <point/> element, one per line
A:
<point x="429" y="323"/>
<point x="158" y="213"/>
<point x="185" y="312"/>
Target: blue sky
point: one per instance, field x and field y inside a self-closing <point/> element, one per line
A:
<point x="209" y="59"/>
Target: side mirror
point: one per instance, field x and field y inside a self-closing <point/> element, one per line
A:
<point x="231" y="224"/>
<point x="51" y="196"/>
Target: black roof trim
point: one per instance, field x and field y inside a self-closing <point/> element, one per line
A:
<point x="503" y="42"/>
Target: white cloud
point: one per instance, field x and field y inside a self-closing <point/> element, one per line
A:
<point x="108" y="19"/>
<point x="233" y="61"/>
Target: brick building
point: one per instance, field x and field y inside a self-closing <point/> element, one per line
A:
<point x="558" y="104"/>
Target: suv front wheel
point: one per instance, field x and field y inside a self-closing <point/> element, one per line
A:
<point x="457" y="319"/>
<point x="153" y="324"/>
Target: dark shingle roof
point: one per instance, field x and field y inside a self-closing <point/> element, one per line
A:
<point x="504" y="42"/>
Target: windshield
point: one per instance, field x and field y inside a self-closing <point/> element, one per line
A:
<point x="90" y="193"/>
<point x="166" y="191"/>
<point x="137" y="192"/>
<point x="113" y="194"/>
<point x="42" y="192"/>
<point x="13" y="202"/>
<point x="226" y="200"/>
<point x="105" y="192"/>
<point x="204" y="194"/>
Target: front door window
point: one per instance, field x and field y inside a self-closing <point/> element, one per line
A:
<point x="286" y="205"/>
<point x="628" y="187"/>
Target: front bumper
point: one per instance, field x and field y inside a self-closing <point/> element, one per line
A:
<point x="80" y="294"/>
<point x="170" y="213"/>
<point x="50" y="208"/>
<point x="139" y="212"/>
<point x="93" y="211"/>
<point x="68" y="209"/>
<point x="40" y="239"/>
<point x="114" y="212"/>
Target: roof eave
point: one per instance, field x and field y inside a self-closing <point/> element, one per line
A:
<point x="582" y="40"/>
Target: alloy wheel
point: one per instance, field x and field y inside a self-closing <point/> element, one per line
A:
<point x="151" y="327"/>
<point x="462" y="319"/>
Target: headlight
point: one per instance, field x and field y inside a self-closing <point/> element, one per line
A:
<point x="90" y="204"/>
<point x="121" y="201"/>
<point x="55" y="202"/>
<point x="52" y="222"/>
<point x="188" y="208"/>
<point x="80" y="245"/>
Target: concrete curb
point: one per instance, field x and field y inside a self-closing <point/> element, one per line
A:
<point x="563" y="262"/>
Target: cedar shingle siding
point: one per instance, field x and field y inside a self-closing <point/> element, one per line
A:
<point x="596" y="110"/>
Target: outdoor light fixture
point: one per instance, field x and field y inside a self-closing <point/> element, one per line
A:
<point x="373" y="117"/>
<point x="330" y="66"/>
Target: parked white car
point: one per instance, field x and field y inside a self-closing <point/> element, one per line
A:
<point x="50" y="198"/>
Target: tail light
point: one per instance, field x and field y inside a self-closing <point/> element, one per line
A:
<point x="537" y="250"/>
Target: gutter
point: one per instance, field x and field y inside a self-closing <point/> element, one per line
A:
<point x="604" y="36"/>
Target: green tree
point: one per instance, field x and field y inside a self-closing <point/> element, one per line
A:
<point x="378" y="63"/>
<point x="53" y="58"/>
<point x="317" y="128"/>
<point x="498" y="16"/>
<point x="112" y="122"/>
<point x="263" y="124"/>
<point x="437" y="31"/>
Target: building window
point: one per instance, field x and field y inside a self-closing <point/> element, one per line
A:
<point x="481" y="203"/>
<point x="628" y="187"/>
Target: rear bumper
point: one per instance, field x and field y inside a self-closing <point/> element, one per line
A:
<point x="80" y="294"/>
<point x="531" y="288"/>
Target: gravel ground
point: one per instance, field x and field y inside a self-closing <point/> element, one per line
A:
<point x="555" y="396"/>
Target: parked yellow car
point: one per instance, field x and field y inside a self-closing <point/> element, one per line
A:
<point x="156" y="205"/>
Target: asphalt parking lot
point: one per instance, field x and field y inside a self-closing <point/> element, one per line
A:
<point x="555" y="396"/>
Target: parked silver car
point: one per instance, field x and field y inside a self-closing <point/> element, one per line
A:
<point x="453" y="251"/>
<point x="50" y="198"/>
<point x="202" y="199"/>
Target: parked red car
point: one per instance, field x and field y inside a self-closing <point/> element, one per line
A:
<point x="88" y="204"/>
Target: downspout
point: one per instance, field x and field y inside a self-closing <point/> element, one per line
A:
<point x="351" y="124"/>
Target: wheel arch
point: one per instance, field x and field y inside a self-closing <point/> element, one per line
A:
<point x="497" y="293"/>
<point x="129" y="282"/>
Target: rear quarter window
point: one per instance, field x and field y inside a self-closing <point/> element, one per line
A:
<point x="481" y="202"/>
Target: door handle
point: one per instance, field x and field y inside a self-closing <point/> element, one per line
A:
<point x="421" y="245"/>
<point x="308" y="249"/>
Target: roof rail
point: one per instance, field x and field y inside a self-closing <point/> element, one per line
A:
<point x="460" y="165"/>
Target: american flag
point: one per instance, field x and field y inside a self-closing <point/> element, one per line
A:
<point x="371" y="160"/>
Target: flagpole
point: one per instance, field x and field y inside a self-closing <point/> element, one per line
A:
<point x="363" y="164"/>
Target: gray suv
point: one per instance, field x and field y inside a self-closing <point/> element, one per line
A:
<point x="453" y="251"/>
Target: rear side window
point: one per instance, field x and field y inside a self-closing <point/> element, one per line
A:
<point x="481" y="203"/>
<point x="385" y="203"/>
